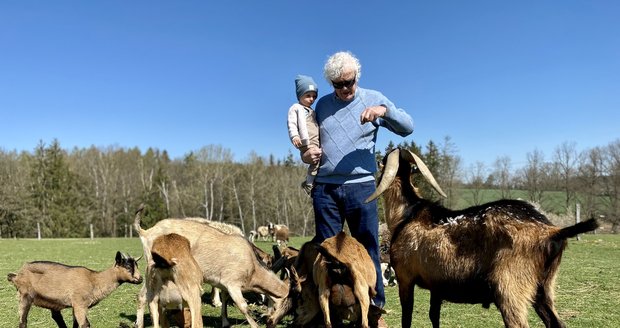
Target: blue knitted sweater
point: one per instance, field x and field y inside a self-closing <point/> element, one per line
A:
<point x="349" y="146"/>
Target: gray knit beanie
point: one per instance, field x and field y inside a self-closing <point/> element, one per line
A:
<point x="304" y="84"/>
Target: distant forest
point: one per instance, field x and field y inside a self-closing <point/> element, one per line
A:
<point x="61" y="193"/>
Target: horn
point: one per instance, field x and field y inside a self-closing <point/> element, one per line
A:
<point x="411" y="157"/>
<point x="389" y="173"/>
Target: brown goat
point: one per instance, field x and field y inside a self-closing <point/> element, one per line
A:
<point x="336" y="278"/>
<point x="57" y="286"/>
<point x="226" y="261"/>
<point x="344" y="261"/>
<point x="504" y="252"/>
<point x="172" y="261"/>
<point x="279" y="233"/>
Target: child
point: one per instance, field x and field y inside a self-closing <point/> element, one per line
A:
<point x="302" y="127"/>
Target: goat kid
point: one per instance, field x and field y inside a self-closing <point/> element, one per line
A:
<point x="504" y="252"/>
<point x="226" y="261"/>
<point x="57" y="286"/>
<point x="173" y="262"/>
<point x="335" y="278"/>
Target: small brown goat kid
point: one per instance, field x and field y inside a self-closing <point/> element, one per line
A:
<point x="172" y="261"/>
<point x="504" y="252"/>
<point x="56" y="286"/>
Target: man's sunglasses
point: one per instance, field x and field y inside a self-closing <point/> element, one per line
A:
<point x="345" y="83"/>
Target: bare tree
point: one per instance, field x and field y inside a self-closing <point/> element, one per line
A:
<point x="533" y="175"/>
<point x="612" y="183"/>
<point x="565" y="157"/>
<point x="449" y="169"/>
<point x="503" y="178"/>
<point x="475" y="180"/>
<point x="590" y="179"/>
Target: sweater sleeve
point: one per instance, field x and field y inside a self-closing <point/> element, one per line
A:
<point x="395" y="119"/>
<point x="293" y="129"/>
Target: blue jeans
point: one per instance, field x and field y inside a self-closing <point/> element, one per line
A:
<point x="336" y="204"/>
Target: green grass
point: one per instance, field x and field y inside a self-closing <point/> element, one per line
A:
<point x="587" y="294"/>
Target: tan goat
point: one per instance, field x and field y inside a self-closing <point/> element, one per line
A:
<point x="172" y="261"/>
<point x="336" y="278"/>
<point x="504" y="252"/>
<point x="345" y="255"/>
<point x="57" y="286"/>
<point x="226" y="261"/>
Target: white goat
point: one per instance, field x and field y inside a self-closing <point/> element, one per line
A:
<point x="226" y="261"/>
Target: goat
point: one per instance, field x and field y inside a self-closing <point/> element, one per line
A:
<point x="261" y="232"/>
<point x="279" y="233"/>
<point x="226" y="261"/>
<point x="302" y="297"/>
<point x="172" y="261"/>
<point x="387" y="274"/>
<point x="336" y="278"/>
<point x="349" y="265"/>
<point x="283" y="260"/>
<point x="504" y="252"/>
<point x="226" y="228"/>
<point x="57" y="286"/>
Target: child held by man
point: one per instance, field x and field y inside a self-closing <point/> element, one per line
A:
<point x="303" y="129"/>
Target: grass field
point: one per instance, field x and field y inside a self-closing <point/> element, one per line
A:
<point x="587" y="295"/>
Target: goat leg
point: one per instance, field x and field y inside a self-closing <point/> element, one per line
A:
<point x="435" y="310"/>
<point x="242" y="305"/>
<point x="57" y="316"/>
<point x="79" y="316"/>
<point x="324" y="303"/>
<point x="141" y="304"/>
<point x="405" y="293"/>
<point x="192" y="298"/>
<point x="224" y="311"/>
<point x="361" y="292"/>
<point x="24" y="307"/>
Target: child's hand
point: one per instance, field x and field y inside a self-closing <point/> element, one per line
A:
<point x="296" y="142"/>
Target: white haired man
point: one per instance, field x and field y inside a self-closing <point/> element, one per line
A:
<point x="349" y="119"/>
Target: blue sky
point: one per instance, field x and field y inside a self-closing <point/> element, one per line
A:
<point x="500" y="78"/>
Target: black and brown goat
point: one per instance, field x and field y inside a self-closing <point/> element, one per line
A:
<point x="57" y="286"/>
<point x="504" y="252"/>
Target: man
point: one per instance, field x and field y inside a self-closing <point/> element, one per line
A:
<point x="349" y="119"/>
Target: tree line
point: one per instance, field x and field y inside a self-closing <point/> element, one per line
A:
<point x="62" y="193"/>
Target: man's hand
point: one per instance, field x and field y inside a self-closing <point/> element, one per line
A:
<point x="372" y="113"/>
<point x="312" y="155"/>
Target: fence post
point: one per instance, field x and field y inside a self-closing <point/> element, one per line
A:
<point x="578" y="216"/>
<point x="92" y="232"/>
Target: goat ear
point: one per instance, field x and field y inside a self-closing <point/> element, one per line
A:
<point x="119" y="257"/>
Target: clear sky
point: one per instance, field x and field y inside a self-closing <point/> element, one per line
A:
<point x="501" y="78"/>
